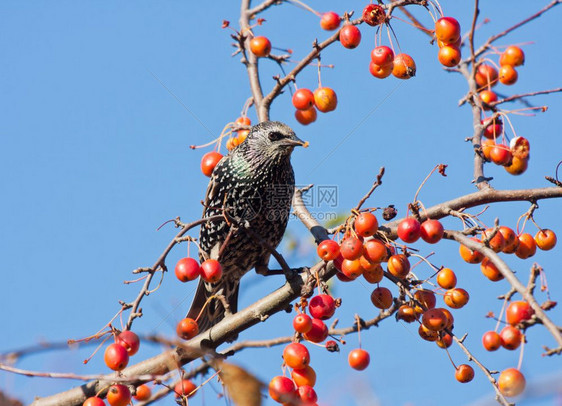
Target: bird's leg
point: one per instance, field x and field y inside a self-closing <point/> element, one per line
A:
<point x="225" y="304"/>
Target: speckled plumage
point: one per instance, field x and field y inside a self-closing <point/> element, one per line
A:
<point x="254" y="183"/>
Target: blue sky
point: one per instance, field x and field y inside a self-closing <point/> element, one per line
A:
<point x="94" y="157"/>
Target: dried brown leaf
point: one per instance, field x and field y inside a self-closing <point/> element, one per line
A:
<point x="243" y="388"/>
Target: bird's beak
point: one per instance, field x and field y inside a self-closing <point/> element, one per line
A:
<point x="296" y="141"/>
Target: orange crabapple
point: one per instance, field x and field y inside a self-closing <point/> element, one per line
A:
<point x="450" y="318"/>
<point x="382" y="56"/>
<point x="187" y="269"/>
<point x="511" y="382"/>
<point x="305" y="117"/>
<point x="497" y="242"/>
<point x="142" y="392"/>
<point x="456" y="298"/>
<point x="242" y="135"/>
<point x="366" y="224"/>
<point x="94" y="401"/>
<point x="447" y="30"/>
<point x="511" y="338"/>
<point x="520" y="147"/>
<point x="303" y="99"/>
<point x="282" y="389"/>
<point x="373" y="15"/>
<point x="358" y="359"/>
<point x="444" y="341"/>
<point x="527" y="246"/>
<point x="491" y="341"/>
<point x="486" y="75"/>
<point x="243" y="120"/>
<point x="518" y="311"/>
<point x="302" y="323"/>
<point x="352" y="269"/>
<point x="487" y="146"/>
<point x="304" y="376"/>
<point x="490" y="270"/>
<point x="517" y="166"/>
<point x="501" y="155"/>
<point x="427" y="334"/>
<point x="367" y="264"/>
<point x="373" y="275"/>
<point x="260" y="46"/>
<point x="407" y="314"/>
<point x="307" y="394"/>
<point x="187" y="328"/>
<point x="318" y="331"/>
<point x="426" y="299"/>
<point x="116" y="357"/>
<point x="434" y="319"/>
<point x="184" y="388"/>
<point x="209" y="161"/>
<point x="510" y="239"/>
<point x="330" y="21"/>
<point x="545" y="239"/>
<point x="470" y="256"/>
<point x="375" y="250"/>
<point x="493" y="129"/>
<point x="409" y="230"/>
<point x="351" y="248"/>
<point x="325" y="99"/>
<point x="513" y="56"/>
<point x="350" y="36"/>
<point x="328" y="250"/>
<point x="431" y="231"/>
<point x="449" y="56"/>
<point x="404" y="66"/>
<point x="464" y="373"/>
<point x="118" y="395"/>
<point x="211" y="270"/>
<point x="381" y="72"/>
<point x="322" y="307"/>
<point x="296" y="356"/>
<point x="381" y="297"/>
<point x="446" y="278"/>
<point x="399" y="265"/>
<point x="128" y="340"/>
<point x="488" y="97"/>
<point x="507" y="75"/>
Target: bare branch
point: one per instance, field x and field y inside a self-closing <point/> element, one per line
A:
<point x="160" y="264"/>
<point x="377" y="183"/>
<point x="494" y="38"/>
<point x="262" y="7"/>
<point x="521" y="96"/>
<point x="204" y="343"/>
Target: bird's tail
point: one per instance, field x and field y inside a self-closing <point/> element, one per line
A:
<point x="214" y="310"/>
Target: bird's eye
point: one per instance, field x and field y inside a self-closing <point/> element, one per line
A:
<point x="275" y="136"/>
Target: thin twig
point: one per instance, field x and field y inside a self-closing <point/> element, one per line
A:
<point x="520" y="96"/>
<point x="376" y="184"/>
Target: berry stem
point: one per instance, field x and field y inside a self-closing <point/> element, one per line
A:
<point x="306" y="7"/>
<point x="521" y="352"/>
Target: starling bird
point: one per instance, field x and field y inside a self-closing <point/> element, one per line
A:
<point x="252" y="187"/>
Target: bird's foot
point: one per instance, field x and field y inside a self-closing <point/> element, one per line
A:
<point x="264" y="270"/>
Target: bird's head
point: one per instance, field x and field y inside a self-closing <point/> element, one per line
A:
<point x="272" y="140"/>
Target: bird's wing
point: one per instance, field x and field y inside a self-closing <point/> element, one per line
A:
<point x="213" y="187"/>
<point x="212" y="206"/>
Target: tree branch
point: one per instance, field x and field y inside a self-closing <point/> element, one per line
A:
<point x="520" y="96"/>
<point x="204" y="343"/>
<point x="509" y="277"/>
<point x="493" y="38"/>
